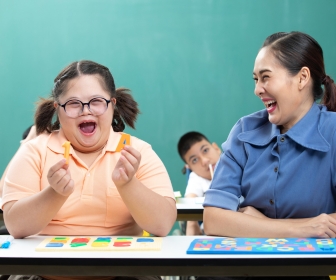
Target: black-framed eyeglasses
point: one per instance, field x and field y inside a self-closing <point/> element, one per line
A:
<point x="74" y="107"/>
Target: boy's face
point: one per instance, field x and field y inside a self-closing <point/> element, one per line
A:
<point x="200" y="156"/>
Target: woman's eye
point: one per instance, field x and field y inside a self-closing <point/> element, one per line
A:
<point x="206" y="150"/>
<point x="194" y="161"/>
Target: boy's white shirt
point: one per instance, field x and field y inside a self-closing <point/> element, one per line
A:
<point x="197" y="185"/>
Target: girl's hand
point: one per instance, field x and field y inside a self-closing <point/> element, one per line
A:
<point x="59" y="178"/>
<point x="126" y="166"/>
<point x="249" y="210"/>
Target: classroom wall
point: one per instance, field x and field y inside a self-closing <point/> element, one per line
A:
<point x="188" y="63"/>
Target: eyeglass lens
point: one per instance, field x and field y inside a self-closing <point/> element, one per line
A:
<point x="97" y="106"/>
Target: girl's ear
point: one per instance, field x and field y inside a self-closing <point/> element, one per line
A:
<point x="55" y="105"/>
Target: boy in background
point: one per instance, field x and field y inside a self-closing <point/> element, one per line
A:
<point x="200" y="157"/>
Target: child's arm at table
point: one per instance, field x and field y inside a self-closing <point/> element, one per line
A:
<point x="153" y="212"/>
<point x="29" y="215"/>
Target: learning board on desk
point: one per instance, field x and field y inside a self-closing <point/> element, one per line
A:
<point x="99" y="243"/>
<point x="227" y="245"/>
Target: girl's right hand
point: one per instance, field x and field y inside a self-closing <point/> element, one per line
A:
<point x="59" y="178"/>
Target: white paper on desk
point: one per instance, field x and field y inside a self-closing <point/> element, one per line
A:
<point x="199" y="200"/>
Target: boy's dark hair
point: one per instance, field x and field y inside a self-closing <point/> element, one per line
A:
<point x="187" y="140"/>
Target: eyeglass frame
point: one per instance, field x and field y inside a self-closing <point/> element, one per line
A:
<point x="83" y="104"/>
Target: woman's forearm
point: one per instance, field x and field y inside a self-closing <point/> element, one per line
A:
<point x="30" y="215"/>
<point x="223" y="222"/>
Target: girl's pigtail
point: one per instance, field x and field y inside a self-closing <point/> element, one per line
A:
<point x="44" y="115"/>
<point x="126" y="110"/>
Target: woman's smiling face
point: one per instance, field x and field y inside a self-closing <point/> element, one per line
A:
<point x="87" y="132"/>
<point x="282" y="93"/>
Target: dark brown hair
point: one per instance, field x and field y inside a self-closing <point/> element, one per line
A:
<point x="187" y="141"/>
<point x="295" y="50"/>
<point x="125" y="111"/>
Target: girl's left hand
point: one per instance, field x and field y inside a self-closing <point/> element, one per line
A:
<point x="126" y="166"/>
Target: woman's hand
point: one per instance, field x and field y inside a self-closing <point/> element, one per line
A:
<point x="250" y="210"/>
<point x="322" y="226"/>
<point x="126" y="166"/>
<point x="59" y="178"/>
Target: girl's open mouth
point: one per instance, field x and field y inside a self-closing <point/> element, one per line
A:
<point x="87" y="127"/>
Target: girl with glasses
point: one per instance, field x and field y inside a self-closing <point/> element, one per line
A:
<point x="102" y="191"/>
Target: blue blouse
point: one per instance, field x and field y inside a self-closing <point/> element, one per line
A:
<point x="290" y="175"/>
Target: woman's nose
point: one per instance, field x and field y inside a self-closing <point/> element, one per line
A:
<point x="258" y="89"/>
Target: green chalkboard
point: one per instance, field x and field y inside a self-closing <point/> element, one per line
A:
<point x="189" y="63"/>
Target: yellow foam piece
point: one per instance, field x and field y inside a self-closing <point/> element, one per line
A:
<point x="124" y="140"/>
<point x="145" y="233"/>
<point x="66" y="146"/>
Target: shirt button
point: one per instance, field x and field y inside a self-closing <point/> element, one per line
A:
<point x="275" y="169"/>
<point x="282" y="139"/>
<point x="271" y="201"/>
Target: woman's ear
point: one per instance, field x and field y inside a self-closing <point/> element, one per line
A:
<point x="55" y="105"/>
<point x="304" y="77"/>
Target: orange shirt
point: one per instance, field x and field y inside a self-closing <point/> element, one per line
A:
<point x="95" y="207"/>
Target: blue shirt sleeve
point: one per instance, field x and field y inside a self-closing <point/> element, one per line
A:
<point x="225" y="189"/>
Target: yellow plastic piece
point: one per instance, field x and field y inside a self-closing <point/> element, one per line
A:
<point x="66" y="146"/>
<point x="145" y="233"/>
<point x="124" y="140"/>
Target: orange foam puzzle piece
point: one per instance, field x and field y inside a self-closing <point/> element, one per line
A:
<point x="124" y="140"/>
<point x="66" y="146"/>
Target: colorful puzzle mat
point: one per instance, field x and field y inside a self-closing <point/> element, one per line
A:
<point x="99" y="243"/>
<point x="226" y="245"/>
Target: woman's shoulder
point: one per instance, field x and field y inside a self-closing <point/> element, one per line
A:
<point x="327" y="119"/>
<point x="251" y="122"/>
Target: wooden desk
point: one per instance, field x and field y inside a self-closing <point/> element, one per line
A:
<point x="21" y="258"/>
<point x="189" y="209"/>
